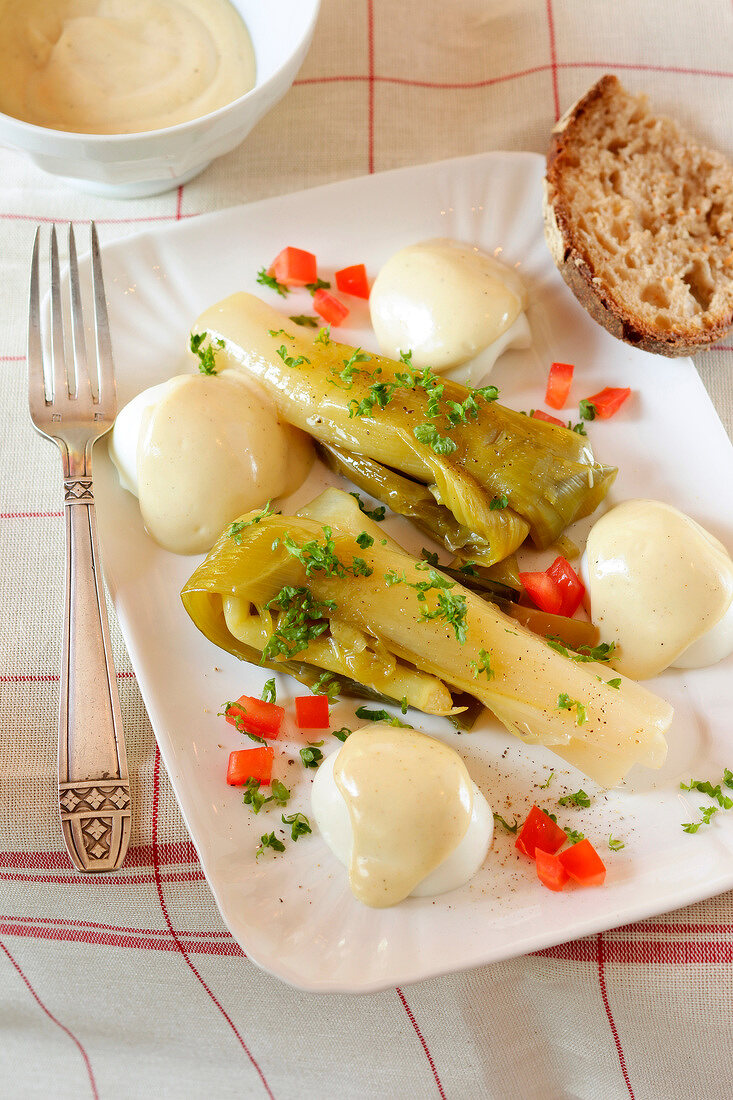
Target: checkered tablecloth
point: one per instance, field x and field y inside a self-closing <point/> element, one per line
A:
<point x="129" y="985"/>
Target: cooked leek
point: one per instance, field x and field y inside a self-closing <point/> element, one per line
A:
<point x="469" y="450"/>
<point x="368" y="610"/>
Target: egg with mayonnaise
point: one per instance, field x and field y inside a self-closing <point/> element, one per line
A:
<point x="198" y="451"/>
<point x="455" y="308"/>
<point x="400" y="810"/>
<point x="660" y="587"/>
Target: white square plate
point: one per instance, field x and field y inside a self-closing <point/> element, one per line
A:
<point x="293" y="914"/>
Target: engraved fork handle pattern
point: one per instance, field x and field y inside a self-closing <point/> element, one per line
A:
<point x="94" y="788"/>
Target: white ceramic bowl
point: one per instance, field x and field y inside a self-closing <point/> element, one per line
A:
<point x="130" y="166"/>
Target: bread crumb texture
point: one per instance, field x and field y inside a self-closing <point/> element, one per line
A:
<point x="640" y="222"/>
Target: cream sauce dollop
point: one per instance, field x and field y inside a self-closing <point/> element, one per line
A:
<point x="200" y="450"/>
<point x="660" y="587"/>
<point x="121" y="66"/>
<point x="451" y="305"/>
<point x="400" y="809"/>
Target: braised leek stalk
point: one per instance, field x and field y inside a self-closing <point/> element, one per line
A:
<point x="314" y="590"/>
<point x="466" y="448"/>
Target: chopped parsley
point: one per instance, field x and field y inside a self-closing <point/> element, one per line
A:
<point x="319" y="284"/>
<point x="498" y="502"/>
<point x="483" y="665"/>
<point x="269" y="692"/>
<point x="564" y="702"/>
<point x="615" y="683"/>
<point x="367" y="715"/>
<point x="573" y="836"/>
<point x="207" y="355"/>
<point x="302" y="619"/>
<point x="327" y="685"/>
<point x="305" y="320"/>
<point x="299" y="824"/>
<point x="343" y="733"/>
<point x="316" y="557"/>
<point x="431" y="437"/>
<point x="706" y="787"/>
<point x="505" y="824"/>
<point x="615" y="844"/>
<point x="602" y="652"/>
<point x="469" y="569"/>
<point x="376" y="514"/>
<point x="269" y="840"/>
<point x="579" y="798"/>
<point x="288" y="360"/>
<point x="587" y="410"/>
<point x="351" y="367"/>
<point x="364" y="540"/>
<point x="579" y="428"/>
<point x="546" y="784"/>
<point x="234" y="530"/>
<point x="324" y="336"/>
<point x="269" y="280"/>
<point x="311" y="756"/>
<point x="707" y="813"/>
<point x="429" y="557"/>
<point x="255" y="799"/>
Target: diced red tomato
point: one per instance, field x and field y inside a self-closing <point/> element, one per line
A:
<point x="294" y="267"/>
<point x="353" y="280"/>
<point x="247" y="764"/>
<point x="540" y="831"/>
<point x="254" y="716"/>
<point x="538" y="414"/>
<point x="583" y="864"/>
<point x="558" y="384"/>
<point x="329" y="307"/>
<point x="571" y="587"/>
<point x="544" y="591"/>
<point x="550" y="870"/>
<point x="311" y="712"/>
<point x="609" y="401"/>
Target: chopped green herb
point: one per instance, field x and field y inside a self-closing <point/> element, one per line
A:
<point x="318" y="557"/>
<point x="299" y="824"/>
<point x="431" y="437"/>
<point x="615" y="683"/>
<point x="580" y="798"/>
<point x="429" y="557"/>
<point x="206" y="355"/>
<point x="573" y="836"/>
<point x="302" y="619"/>
<point x="579" y="428"/>
<point x="311" y="756"/>
<point x="707" y="813"/>
<point x="705" y="787"/>
<point x="509" y="828"/>
<point x="319" y="284"/>
<point x="499" y="502"/>
<point x="324" y="336"/>
<point x="403" y="704"/>
<point x="351" y="367"/>
<point x="253" y="796"/>
<point x="288" y="360"/>
<point x="364" y="540"/>
<point x="234" y="530"/>
<point x="483" y="665"/>
<point x="564" y="702"/>
<point x="376" y="514"/>
<point x="343" y="733"/>
<point x="269" y="692"/>
<point x="406" y="357"/>
<point x="280" y="793"/>
<point x="587" y="410"/>
<point x="268" y="280"/>
<point x="367" y="715"/>
<point x="615" y="844"/>
<point x="468" y="569"/>
<point x="602" y="652"/>
<point x="327" y="685"/>
<point x="546" y="784"/>
<point x="305" y="320"/>
<point x="269" y="840"/>
<point x="280" y="332"/>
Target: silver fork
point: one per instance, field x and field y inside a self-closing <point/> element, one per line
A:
<point x="73" y="410"/>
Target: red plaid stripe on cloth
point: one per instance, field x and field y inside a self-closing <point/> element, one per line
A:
<point x="129" y="985"/>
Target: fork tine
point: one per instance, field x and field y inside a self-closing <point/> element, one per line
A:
<point x="36" y="381"/>
<point x="81" y="368"/>
<point x="107" y="387"/>
<point x="59" y="380"/>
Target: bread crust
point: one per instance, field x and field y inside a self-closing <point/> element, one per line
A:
<point x="574" y="264"/>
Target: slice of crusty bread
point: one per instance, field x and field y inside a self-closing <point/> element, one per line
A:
<point x="639" y="220"/>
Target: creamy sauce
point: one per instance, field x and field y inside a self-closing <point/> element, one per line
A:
<point x="448" y="303"/>
<point x="121" y="66"/>
<point x="410" y="800"/>
<point x="207" y="449"/>
<point x="658" y="583"/>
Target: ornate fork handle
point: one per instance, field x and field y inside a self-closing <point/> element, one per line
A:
<point x="94" y="788"/>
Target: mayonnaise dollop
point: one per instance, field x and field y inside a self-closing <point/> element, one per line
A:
<point x="198" y="451"/>
<point x="121" y="66"/>
<point x="660" y="587"/>
<point x="400" y="810"/>
<point x="454" y="307"/>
